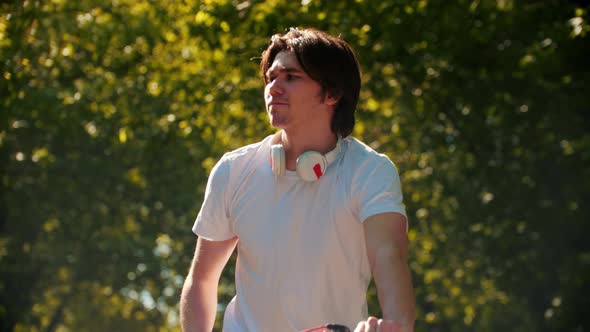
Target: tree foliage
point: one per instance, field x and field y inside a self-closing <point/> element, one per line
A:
<point x="114" y="112"/>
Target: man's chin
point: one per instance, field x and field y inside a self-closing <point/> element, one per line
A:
<point x="277" y="122"/>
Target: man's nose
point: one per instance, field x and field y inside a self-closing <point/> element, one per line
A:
<point x="275" y="87"/>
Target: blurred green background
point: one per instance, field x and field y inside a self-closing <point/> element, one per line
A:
<point x="113" y="113"/>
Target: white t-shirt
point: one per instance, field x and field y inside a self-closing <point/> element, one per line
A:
<point x="302" y="259"/>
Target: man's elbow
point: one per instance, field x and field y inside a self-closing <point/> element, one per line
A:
<point x="390" y="254"/>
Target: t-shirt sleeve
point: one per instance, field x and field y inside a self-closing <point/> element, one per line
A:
<point x="379" y="189"/>
<point x="213" y="222"/>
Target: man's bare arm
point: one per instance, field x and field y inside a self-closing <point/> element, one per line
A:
<point x="387" y="248"/>
<point x="198" y="301"/>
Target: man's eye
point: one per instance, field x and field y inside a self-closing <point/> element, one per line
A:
<point x="290" y="77"/>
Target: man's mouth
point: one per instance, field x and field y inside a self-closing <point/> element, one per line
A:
<point x="277" y="103"/>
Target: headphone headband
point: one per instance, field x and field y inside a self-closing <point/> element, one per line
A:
<point x="311" y="165"/>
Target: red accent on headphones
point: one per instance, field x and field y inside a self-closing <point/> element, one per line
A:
<point x="317" y="170"/>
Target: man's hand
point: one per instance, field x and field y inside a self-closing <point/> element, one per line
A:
<point x="372" y="324"/>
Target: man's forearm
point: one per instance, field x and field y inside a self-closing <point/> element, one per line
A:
<point x="394" y="288"/>
<point x="198" y="306"/>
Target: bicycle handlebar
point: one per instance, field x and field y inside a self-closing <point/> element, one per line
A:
<point x="328" y="328"/>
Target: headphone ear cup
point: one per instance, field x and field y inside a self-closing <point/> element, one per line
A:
<point x="311" y="166"/>
<point x="277" y="159"/>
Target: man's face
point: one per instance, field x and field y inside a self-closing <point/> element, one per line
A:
<point x="293" y="99"/>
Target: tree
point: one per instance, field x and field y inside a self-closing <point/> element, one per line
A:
<point x="114" y="113"/>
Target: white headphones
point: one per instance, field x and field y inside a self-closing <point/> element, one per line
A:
<point x="311" y="165"/>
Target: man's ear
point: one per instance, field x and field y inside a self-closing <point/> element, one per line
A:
<point x="332" y="98"/>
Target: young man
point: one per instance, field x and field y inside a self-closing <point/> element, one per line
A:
<point x="314" y="213"/>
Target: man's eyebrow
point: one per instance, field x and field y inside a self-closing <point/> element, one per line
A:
<point x="284" y="70"/>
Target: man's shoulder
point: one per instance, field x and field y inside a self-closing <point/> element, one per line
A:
<point x="361" y="162"/>
<point x="245" y="152"/>
<point x="236" y="163"/>
<point x="362" y="152"/>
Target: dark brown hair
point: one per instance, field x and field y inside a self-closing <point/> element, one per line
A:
<point x="326" y="59"/>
